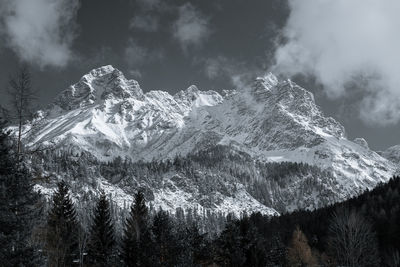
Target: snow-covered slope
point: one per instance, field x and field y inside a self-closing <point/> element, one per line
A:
<point x="107" y="115"/>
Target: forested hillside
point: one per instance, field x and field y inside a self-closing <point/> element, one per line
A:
<point x="206" y="175"/>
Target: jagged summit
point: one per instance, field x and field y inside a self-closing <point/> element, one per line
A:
<point x="100" y="71"/>
<point x="269" y="86"/>
<point x="189" y="95"/>
<point x="192" y="89"/>
<point x="96" y="85"/>
<point x="293" y="108"/>
<point x="267" y="81"/>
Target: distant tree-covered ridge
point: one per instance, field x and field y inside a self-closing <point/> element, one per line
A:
<point x="284" y="186"/>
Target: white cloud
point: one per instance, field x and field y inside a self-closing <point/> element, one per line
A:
<point x="217" y="66"/>
<point x="137" y="56"/>
<point x="40" y="31"/>
<point x="148" y="14"/>
<point x="346" y="41"/>
<point x="149" y="4"/>
<point x="145" y="22"/>
<point x="191" y="28"/>
<point x="135" y="73"/>
<point x="240" y="74"/>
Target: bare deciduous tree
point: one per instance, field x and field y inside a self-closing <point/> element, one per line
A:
<point x="82" y="243"/>
<point x="392" y="258"/>
<point x="352" y="241"/>
<point x="21" y="100"/>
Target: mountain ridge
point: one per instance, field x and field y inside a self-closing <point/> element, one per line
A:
<point x="109" y="116"/>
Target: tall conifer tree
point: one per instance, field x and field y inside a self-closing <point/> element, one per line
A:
<point x="165" y="243"/>
<point x="136" y="240"/>
<point x="101" y="240"/>
<point x="62" y="229"/>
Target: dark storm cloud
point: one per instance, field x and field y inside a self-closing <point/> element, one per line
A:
<point x="40" y="32"/>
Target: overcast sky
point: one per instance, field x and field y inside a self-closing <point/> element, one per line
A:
<point x="344" y="51"/>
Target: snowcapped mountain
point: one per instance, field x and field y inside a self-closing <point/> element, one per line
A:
<point x="108" y="116"/>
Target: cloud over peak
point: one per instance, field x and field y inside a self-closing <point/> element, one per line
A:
<point x="342" y="43"/>
<point x="239" y="73"/>
<point x="137" y="56"/>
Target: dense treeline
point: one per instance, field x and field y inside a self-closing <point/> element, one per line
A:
<point x="362" y="231"/>
<point x="217" y="169"/>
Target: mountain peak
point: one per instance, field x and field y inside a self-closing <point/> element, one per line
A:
<point x="189" y="94"/>
<point x="192" y="90"/>
<point x="193" y="97"/>
<point x="99" y="84"/>
<point x="264" y="83"/>
<point x="269" y="80"/>
<point x="100" y="71"/>
<point x="269" y="85"/>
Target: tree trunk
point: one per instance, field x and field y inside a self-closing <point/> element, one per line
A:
<point x="19" y="136"/>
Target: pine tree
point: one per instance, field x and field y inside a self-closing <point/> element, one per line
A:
<point x="136" y="241"/>
<point x="229" y="246"/>
<point x="101" y="240"/>
<point x="199" y="246"/>
<point x="165" y="244"/>
<point x="18" y="207"/>
<point x="62" y="229"/>
<point x="276" y="251"/>
<point x="253" y="244"/>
